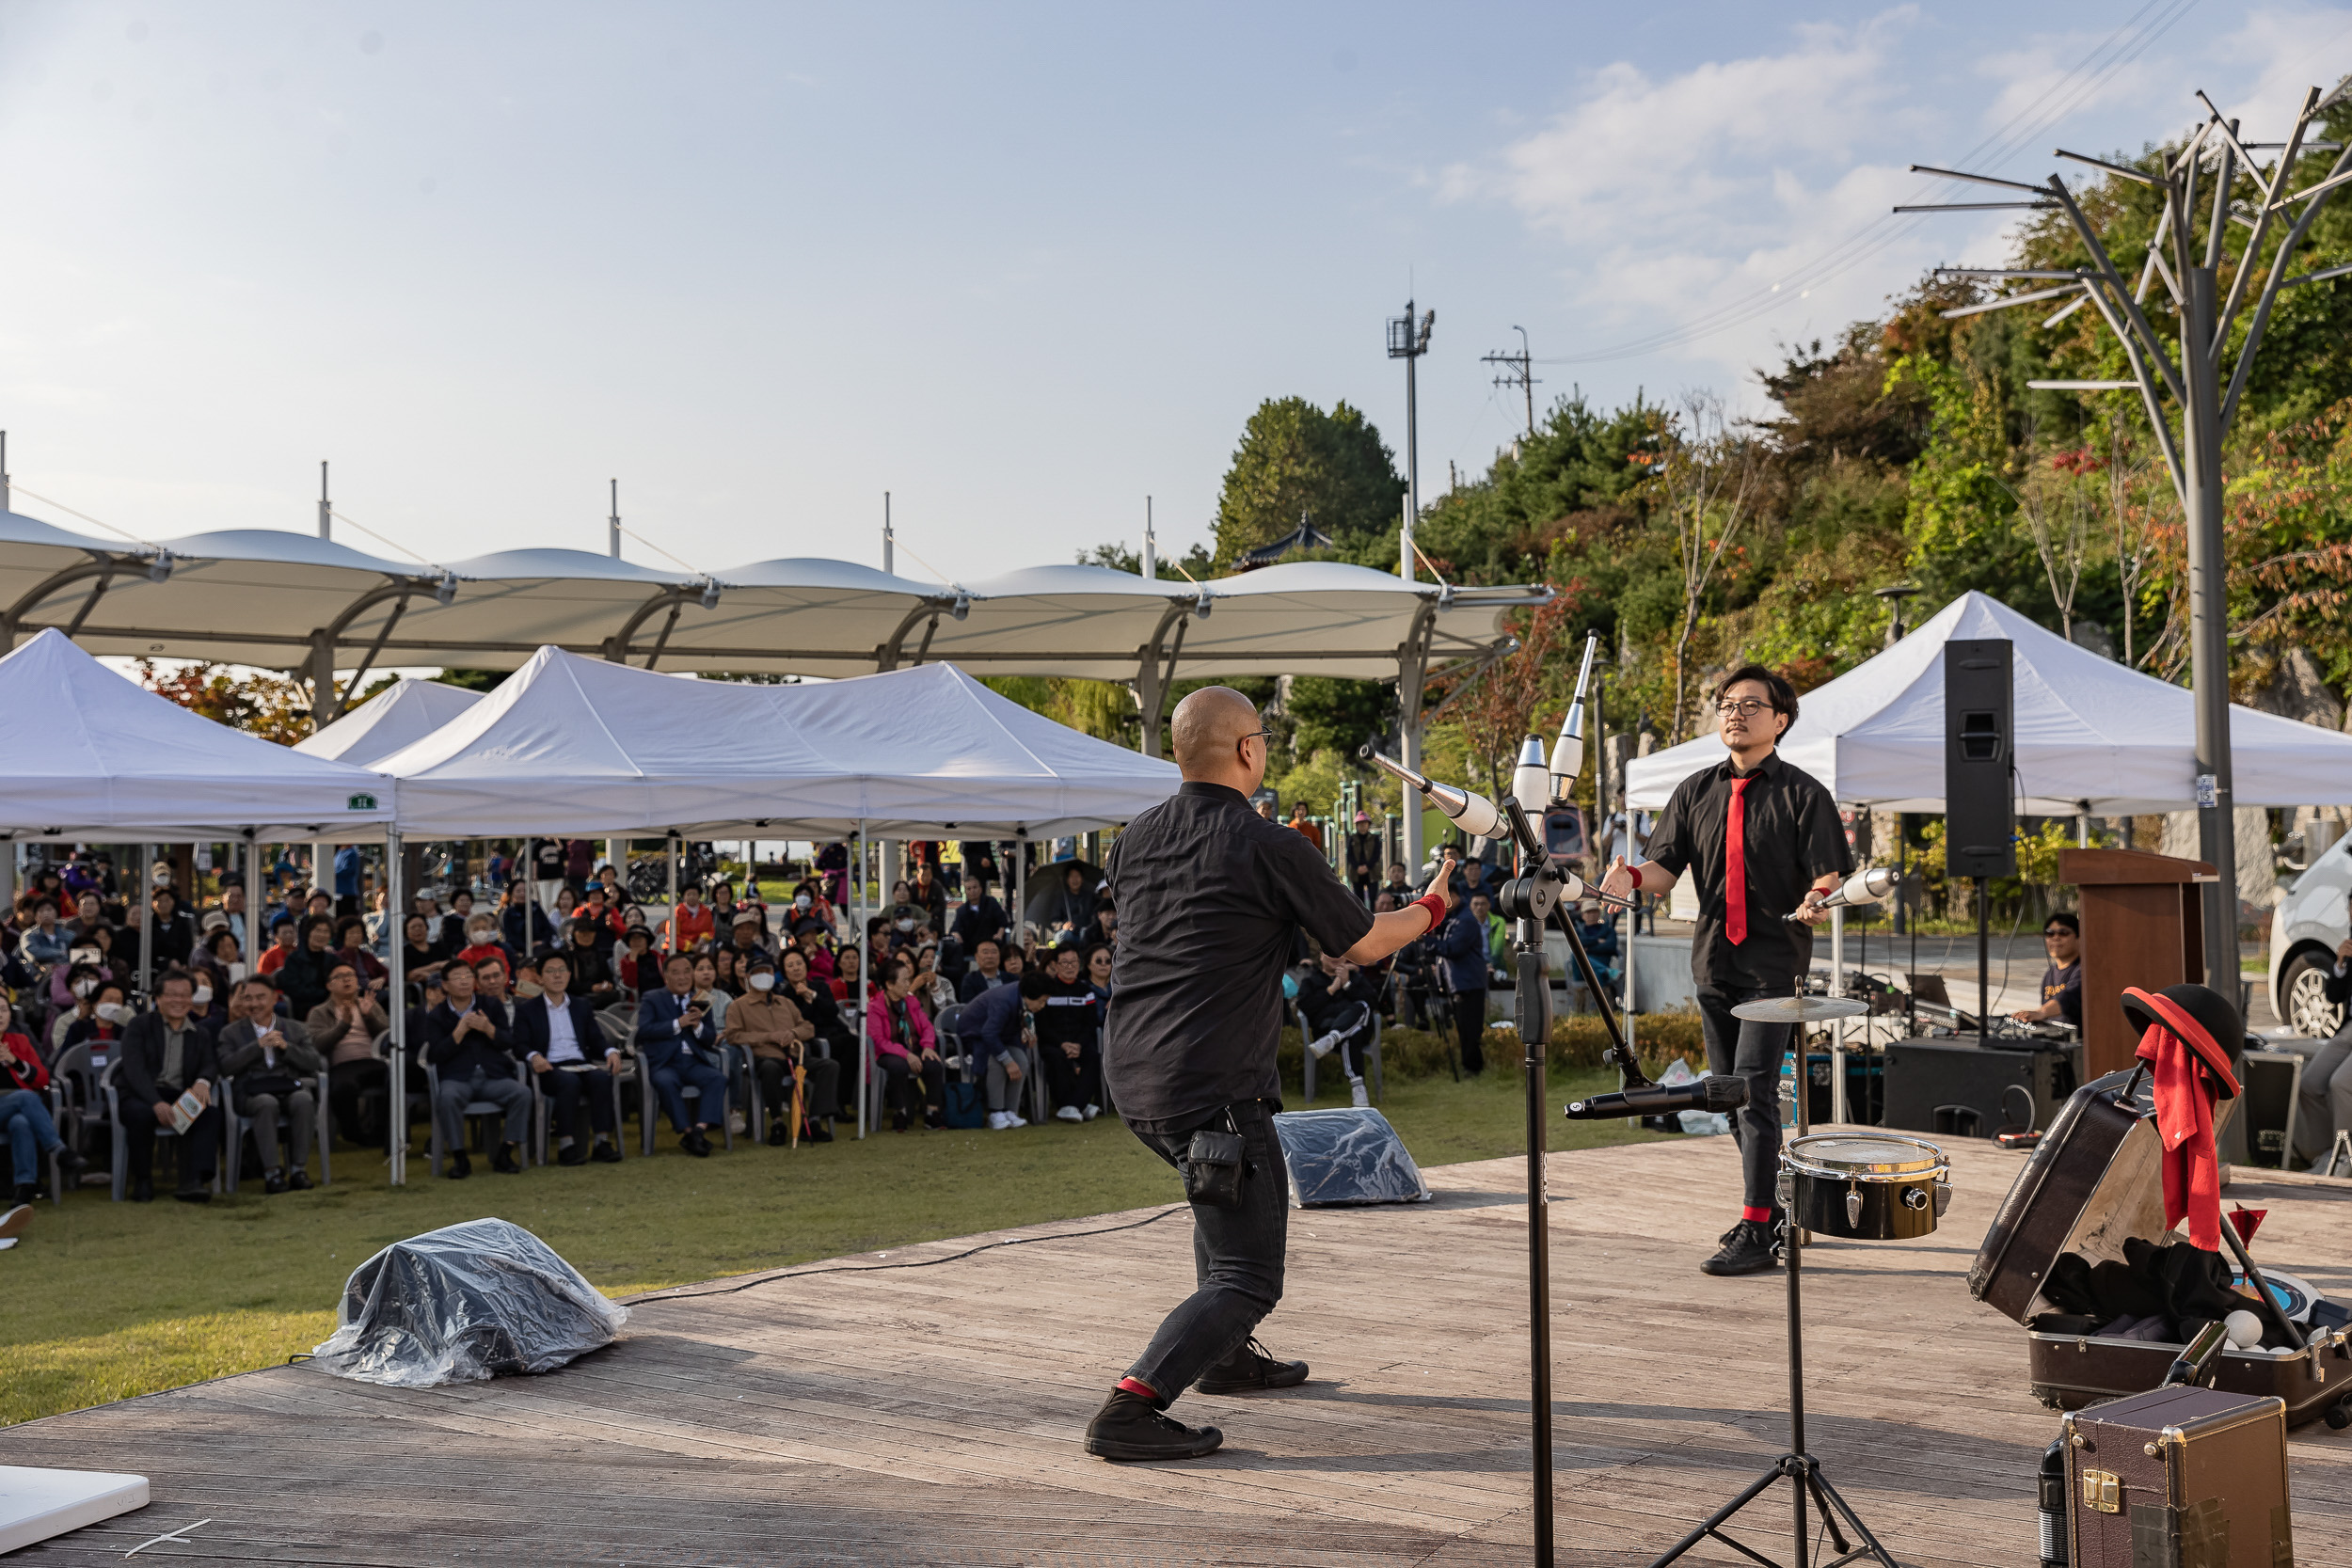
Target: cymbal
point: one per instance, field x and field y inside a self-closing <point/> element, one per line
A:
<point x="1798" y="1009"/>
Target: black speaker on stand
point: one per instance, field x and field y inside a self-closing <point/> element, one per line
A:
<point x="1979" y="811"/>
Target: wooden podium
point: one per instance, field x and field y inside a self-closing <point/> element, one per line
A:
<point x="2143" y="924"/>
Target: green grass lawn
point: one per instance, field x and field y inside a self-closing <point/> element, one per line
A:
<point x="102" y="1301"/>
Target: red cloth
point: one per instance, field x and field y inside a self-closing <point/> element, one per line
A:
<point x="2180" y="1053"/>
<point x="26" y="1072"/>
<point x="1735" y="864"/>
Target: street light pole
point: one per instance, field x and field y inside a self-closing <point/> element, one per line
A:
<point x="2202" y="410"/>
<point x="1409" y="339"/>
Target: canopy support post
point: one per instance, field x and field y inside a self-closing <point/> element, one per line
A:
<point x="395" y="1004"/>
<point x="858" y="937"/>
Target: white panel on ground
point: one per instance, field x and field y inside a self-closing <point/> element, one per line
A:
<point x="37" y="1504"/>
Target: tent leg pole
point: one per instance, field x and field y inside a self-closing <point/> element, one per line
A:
<point x="396" y="1007"/>
<point x="140" y="890"/>
<point x="857" y="936"/>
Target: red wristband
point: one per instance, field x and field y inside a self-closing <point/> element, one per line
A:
<point x="1435" y="904"/>
<point x="1635" y="872"/>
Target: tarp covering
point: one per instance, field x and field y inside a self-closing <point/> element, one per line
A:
<point x="466" y="1302"/>
<point x="399" y="715"/>
<point x="2091" y="736"/>
<point x="582" y="746"/>
<point x="1346" y="1156"/>
<point x="91" y="755"/>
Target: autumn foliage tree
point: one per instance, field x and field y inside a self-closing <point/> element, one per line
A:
<point x="271" y="707"/>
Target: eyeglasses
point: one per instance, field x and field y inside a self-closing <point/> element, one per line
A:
<point x="1746" y="707"/>
<point x="1256" y="735"/>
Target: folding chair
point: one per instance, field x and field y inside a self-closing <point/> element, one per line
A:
<point x="111" y="1085"/>
<point x="650" y="1105"/>
<point x="467" y="1118"/>
<point x="235" y="1125"/>
<point x="74" y="1096"/>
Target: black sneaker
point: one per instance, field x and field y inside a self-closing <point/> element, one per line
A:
<point x="604" y="1153"/>
<point x="1749" y="1251"/>
<point x="1128" y="1428"/>
<point x="1250" y="1369"/>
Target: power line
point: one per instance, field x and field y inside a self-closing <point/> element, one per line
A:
<point x="2124" y="45"/>
<point x="1515" y="373"/>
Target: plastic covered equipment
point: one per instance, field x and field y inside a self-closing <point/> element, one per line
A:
<point x="462" y="1304"/>
<point x="1346" y="1155"/>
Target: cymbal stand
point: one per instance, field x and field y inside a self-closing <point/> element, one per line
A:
<point x="1802" y="1469"/>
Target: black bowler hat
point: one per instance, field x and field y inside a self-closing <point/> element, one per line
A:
<point x="2203" y="1021"/>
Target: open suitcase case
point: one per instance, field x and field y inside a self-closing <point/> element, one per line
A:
<point x="2092" y="1183"/>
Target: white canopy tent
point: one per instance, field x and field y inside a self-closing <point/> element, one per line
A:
<point x="2093" y="738"/>
<point x="587" y="747"/>
<point x="402" y="713"/>
<point x="92" y="756"/>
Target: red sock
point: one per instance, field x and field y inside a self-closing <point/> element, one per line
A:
<point x="1759" y="1215"/>
<point x="1141" y="1390"/>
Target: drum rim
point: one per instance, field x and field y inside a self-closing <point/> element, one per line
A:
<point x="1935" y="1164"/>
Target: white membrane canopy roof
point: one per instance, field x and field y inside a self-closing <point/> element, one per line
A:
<point x="399" y="715"/>
<point x="93" y="757"/>
<point x="291" y="601"/>
<point x="584" y="746"/>
<point x="2091" y="736"/>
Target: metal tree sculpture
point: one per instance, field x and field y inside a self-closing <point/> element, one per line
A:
<point x="2190" y="385"/>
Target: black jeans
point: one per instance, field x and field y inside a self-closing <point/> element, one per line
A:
<point x="905" y="1091"/>
<point x="196" y="1145"/>
<point x="355" y="1094"/>
<point x="1072" y="1082"/>
<point x="1470" y="1026"/>
<point x="1236" y="1256"/>
<point x="1754" y="1052"/>
<point x="570" y="1092"/>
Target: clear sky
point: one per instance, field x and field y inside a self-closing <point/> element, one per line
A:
<point x="1021" y="265"/>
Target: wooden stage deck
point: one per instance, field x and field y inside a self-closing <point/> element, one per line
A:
<point x="932" y="1414"/>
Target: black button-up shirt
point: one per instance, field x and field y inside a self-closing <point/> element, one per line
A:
<point x="1210" y="897"/>
<point x="1791" y="837"/>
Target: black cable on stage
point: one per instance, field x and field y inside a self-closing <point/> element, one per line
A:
<point x="920" y="1264"/>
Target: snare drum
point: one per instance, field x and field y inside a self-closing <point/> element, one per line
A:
<point x="1867" y="1186"/>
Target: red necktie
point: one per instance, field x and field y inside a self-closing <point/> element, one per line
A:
<point x="1735" y="865"/>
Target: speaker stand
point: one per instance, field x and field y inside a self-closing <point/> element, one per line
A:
<point x="1802" y="1469"/>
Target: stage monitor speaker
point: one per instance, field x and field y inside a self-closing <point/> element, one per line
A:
<point x="1958" y="1089"/>
<point x="1347" y="1155"/>
<point x="1979" y="720"/>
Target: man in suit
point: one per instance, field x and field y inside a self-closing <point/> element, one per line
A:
<point x="167" y="1053"/>
<point x="471" y="1046"/>
<point x="987" y="972"/>
<point x="677" y="1045"/>
<point x="557" y="1035"/>
<point x="265" y="1059"/>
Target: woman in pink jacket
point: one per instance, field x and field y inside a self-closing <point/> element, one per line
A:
<point x="906" y="1051"/>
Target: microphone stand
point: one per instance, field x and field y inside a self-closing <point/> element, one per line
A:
<point x="1530" y="900"/>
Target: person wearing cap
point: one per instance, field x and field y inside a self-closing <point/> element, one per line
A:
<point x="1363" y="859"/>
<point x="767" y="1021"/>
<point x="747" y="933"/>
<point x="585" y="965"/>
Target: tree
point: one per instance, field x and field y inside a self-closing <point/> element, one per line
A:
<point x="1122" y="557"/>
<point x="1708" y="480"/>
<point x="261" y="703"/>
<point x="2055" y="496"/>
<point x="1337" y="715"/>
<point x="1296" y="461"/>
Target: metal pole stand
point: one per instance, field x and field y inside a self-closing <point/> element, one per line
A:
<point x="1531" y="1008"/>
<point x="1799" y="1467"/>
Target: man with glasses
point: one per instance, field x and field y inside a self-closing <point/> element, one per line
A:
<point x="1211" y="898"/>
<point x="2063" y="981"/>
<point x="1759" y="837"/>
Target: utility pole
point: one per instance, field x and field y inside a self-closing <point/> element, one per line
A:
<point x="1150" y="544"/>
<point x="613" y="541"/>
<point x="1408" y="340"/>
<point x="327" y="516"/>
<point x="1518" y="370"/>
<point x="2202" y="410"/>
<point x="888" y="541"/>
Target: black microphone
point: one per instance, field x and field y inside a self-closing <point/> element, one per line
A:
<point x="1719" y="1092"/>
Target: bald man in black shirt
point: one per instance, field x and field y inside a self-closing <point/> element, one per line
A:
<point x="1210" y="896"/>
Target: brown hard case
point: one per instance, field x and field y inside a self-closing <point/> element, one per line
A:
<point x="2092" y="1183"/>
<point x="2179" y="1477"/>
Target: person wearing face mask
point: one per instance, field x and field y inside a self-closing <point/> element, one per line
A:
<point x="267" y="1061"/>
<point x="810" y="903"/>
<point x="767" y="1021"/>
<point x="24" y="1121"/>
<point x="556" y="1033"/>
<point x="165" y="1055"/>
<point x="343" y="1029"/>
<point x="99" y="1017"/>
